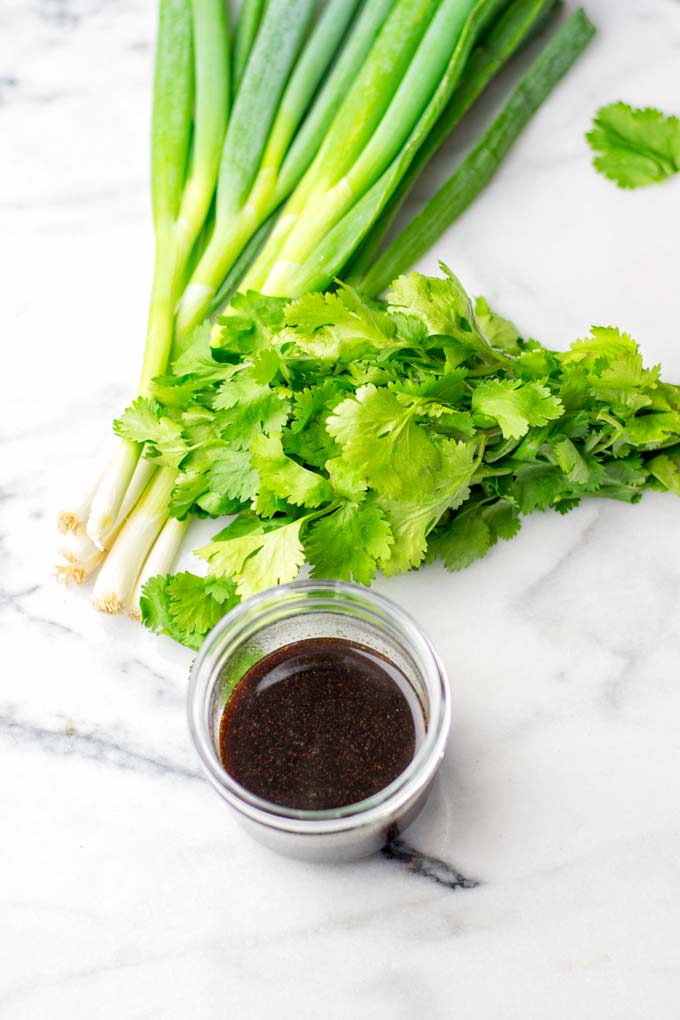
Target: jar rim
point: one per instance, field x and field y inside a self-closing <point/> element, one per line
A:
<point x="389" y="800"/>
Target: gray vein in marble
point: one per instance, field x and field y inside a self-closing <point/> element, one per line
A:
<point x="68" y="13"/>
<point x="91" y="746"/>
<point x="533" y="590"/>
<point x="11" y="600"/>
<point x="418" y="863"/>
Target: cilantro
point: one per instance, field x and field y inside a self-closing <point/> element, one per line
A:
<point x="350" y="544"/>
<point x="267" y="555"/>
<point x="185" y="606"/>
<point x="362" y="436"/>
<point x="515" y="405"/>
<point x="143" y="422"/>
<point x="635" y="146"/>
<point x="284" y="478"/>
<point x="466" y="538"/>
<point x="381" y="440"/>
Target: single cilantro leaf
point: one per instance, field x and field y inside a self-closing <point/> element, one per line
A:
<point x="538" y="486"/>
<point x="466" y="539"/>
<point x="250" y="408"/>
<point x="196" y="357"/>
<point x="580" y="466"/>
<point x="635" y="146"/>
<point x="250" y="322"/>
<point x="346" y="480"/>
<point x="284" y="478"/>
<point x="413" y="517"/>
<point x="515" y="405"/>
<point x="260" y="559"/>
<point x="604" y="345"/>
<point x="381" y="440"/>
<point x="498" y="331"/>
<point x="445" y="388"/>
<point x="189" y="488"/>
<point x="154" y="604"/>
<point x="185" y="606"/>
<point x="442" y="304"/>
<point x="233" y="474"/>
<point x="338" y="326"/>
<point x="197" y="604"/>
<point x="349" y="544"/>
<point x="231" y="482"/>
<point x="535" y="362"/>
<point x="144" y="422"/>
<point x="411" y="331"/>
<point x="502" y="519"/>
<point x="667" y="470"/>
<point x="656" y="427"/>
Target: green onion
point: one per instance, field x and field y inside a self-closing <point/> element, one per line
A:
<point x="190" y="104"/>
<point x="516" y="24"/>
<point x="161" y="559"/>
<point x="342" y="194"/>
<point x="479" y="167"/>
<point x="116" y="580"/>
<point x="247" y="25"/>
<point x="256" y="173"/>
<point x="79" y="557"/>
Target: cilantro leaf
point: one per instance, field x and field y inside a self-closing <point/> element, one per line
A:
<point x="666" y="469"/>
<point x="413" y="517"/>
<point x="184" y="606"/>
<point x="515" y="405"/>
<point x="143" y="422"/>
<point x="249" y="324"/>
<point x="337" y="327"/>
<point x="498" y="331"/>
<point x="635" y="146"/>
<point x="538" y="486"/>
<point x="349" y="544"/>
<point x="442" y="304"/>
<point x="267" y="555"/>
<point x="466" y="539"/>
<point x="250" y="408"/>
<point x="284" y="478"/>
<point x="381" y="440"/>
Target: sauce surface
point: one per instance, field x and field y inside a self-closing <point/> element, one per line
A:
<point x="319" y="724"/>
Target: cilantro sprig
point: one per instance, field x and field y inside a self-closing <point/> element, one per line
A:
<point x="358" y="436"/>
<point x="635" y="146"/>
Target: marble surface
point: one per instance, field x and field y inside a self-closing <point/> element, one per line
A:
<point x="543" y="879"/>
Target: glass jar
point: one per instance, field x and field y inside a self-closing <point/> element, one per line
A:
<point x="320" y="609"/>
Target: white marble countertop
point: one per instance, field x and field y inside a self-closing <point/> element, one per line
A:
<point x="126" y="890"/>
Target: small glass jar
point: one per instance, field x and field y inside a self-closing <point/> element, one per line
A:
<point x="320" y="609"/>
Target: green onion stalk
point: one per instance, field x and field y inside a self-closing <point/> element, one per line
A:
<point x="189" y="117"/>
<point x="413" y="69"/>
<point x="280" y="117"/>
<point x="477" y="169"/>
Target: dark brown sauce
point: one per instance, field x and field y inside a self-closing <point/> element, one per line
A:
<point x="319" y="724"/>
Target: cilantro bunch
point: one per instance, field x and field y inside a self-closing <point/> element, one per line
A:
<point x="355" y="435"/>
